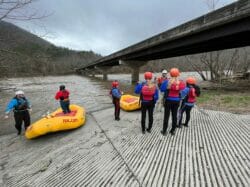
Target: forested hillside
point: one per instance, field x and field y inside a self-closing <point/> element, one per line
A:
<point x="25" y="54"/>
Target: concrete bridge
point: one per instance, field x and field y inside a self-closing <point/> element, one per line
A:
<point x="225" y="28"/>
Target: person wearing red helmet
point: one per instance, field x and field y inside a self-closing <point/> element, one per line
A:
<point x="116" y="96"/>
<point x="188" y="95"/>
<point x="171" y="89"/>
<point x="63" y="96"/>
<point x="148" y="97"/>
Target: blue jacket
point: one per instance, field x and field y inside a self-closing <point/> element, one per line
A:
<point x="14" y="103"/>
<point x="138" y="89"/>
<point x="164" y="87"/>
<point x="115" y="92"/>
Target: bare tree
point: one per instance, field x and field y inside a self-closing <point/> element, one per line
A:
<point x="16" y="10"/>
<point x="197" y="68"/>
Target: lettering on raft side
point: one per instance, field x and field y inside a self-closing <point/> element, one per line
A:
<point x="69" y="120"/>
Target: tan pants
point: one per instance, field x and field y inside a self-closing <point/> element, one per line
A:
<point x="159" y="104"/>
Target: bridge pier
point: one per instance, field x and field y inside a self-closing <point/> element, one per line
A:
<point x="104" y="71"/>
<point x="135" y="67"/>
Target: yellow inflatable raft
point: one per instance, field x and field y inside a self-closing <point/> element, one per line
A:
<point x="129" y="102"/>
<point x="57" y="121"/>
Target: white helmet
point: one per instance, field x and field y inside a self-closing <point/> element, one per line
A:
<point x="19" y="92"/>
<point x="164" y="71"/>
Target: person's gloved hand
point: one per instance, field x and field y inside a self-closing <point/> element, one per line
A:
<point x="6" y="116"/>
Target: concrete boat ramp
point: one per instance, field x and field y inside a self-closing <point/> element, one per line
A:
<point x="213" y="151"/>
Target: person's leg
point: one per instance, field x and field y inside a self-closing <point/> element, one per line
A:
<point x="182" y="110"/>
<point x="143" y="116"/>
<point x="117" y="109"/>
<point x="26" y="119"/>
<point x="166" y="117"/>
<point x="67" y="104"/>
<point x="188" y="111"/>
<point x="150" y="116"/>
<point x="18" y="122"/>
<point x="64" y="109"/>
<point x="174" y="109"/>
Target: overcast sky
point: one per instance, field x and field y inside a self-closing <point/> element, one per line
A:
<point x="106" y="26"/>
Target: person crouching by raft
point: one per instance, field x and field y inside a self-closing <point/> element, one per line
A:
<point x="21" y="108"/>
<point x="116" y="96"/>
<point x="63" y="95"/>
<point x="189" y="95"/>
<point x="171" y="89"/>
<point x="148" y="96"/>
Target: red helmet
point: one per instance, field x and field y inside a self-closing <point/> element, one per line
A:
<point x="174" y="72"/>
<point x="115" y="83"/>
<point x="191" y="80"/>
<point x="148" y="75"/>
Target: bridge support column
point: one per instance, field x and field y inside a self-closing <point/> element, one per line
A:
<point x="135" y="67"/>
<point x="104" y="71"/>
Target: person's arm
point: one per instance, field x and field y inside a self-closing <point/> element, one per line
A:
<point x="57" y="96"/>
<point x="28" y="103"/>
<point x="68" y="92"/>
<point x="138" y="88"/>
<point x="164" y="86"/>
<point x="156" y="95"/>
<point x="184" y="92"/>
<point x="10" y="106"/>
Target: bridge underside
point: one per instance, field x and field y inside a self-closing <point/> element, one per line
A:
<point x="231" y="35"/>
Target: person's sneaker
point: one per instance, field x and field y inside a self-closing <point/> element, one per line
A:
<point x="185" y="125"/>
<point x="18" y="132"/>
<point x="179" y="126"/>
<point x="163" y="133"/>
<point x="143" y="132"/>
<point x="172" y="132"/>
<point x="149" y="130"/>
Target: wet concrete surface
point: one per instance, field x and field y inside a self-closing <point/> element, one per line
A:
<point x="213" y="151"/>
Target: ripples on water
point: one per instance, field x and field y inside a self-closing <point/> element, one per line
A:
<point x="92" y="93"/>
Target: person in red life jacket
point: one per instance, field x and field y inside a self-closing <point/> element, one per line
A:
<point x="188" y="95"/>
<point x="21" y="108"/>
<point x="171" y="89"/>
<point x="148" y="96"/>
<point x="63" y="96"/>
<point x="116" y="96"/>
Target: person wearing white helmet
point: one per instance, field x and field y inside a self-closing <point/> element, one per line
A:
<point x="160" y="80"/>
<point x="21" y="107"/>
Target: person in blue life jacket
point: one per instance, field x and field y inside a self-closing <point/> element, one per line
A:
<point x="188" y="95"/>
<point x="21" y="108"/>
<point x="148" y="96"/>
<point x="171" y="89"/>
<point x="116" y="96"/>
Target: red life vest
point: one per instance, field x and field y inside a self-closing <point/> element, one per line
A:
<point x="161" y="79"/>
<point x="62" y="95"/>
<point x="148" y="93"/>
<point x="175" y="89"/>
<point x="191" y="95"/>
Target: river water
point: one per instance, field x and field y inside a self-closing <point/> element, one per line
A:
<point x="92" y="93"/>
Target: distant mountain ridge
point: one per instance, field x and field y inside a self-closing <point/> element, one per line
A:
<point x="25" y="54"/>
